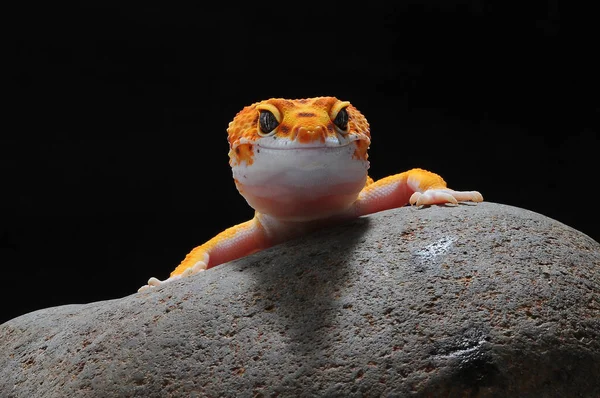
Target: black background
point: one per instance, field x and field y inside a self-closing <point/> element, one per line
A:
<point x="115" y="163"/>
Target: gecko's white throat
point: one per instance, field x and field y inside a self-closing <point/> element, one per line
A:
<point x="301" y="184"/>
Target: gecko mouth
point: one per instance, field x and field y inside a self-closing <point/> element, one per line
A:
<point x="301" y="146"/>
<point x="272" y="143"/>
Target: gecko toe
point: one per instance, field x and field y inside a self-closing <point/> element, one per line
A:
<point x="187" y="272"/>
<point x="144" y="288"/>
<point x="198" y="267"/>
<point x="414" y="198"/>
<point x="154" y="282"/>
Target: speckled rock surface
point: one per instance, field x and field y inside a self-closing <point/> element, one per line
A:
<point x="474" y="300"/>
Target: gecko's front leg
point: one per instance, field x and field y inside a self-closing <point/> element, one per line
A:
<point x="235" y="242"/>
<point x="417" y="187"/>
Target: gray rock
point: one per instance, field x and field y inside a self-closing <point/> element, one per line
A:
<point x="472" y="300"/>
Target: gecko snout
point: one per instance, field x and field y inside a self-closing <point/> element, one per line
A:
<point x="308" y="134"/>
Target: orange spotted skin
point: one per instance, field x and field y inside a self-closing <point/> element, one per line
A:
<point x="308" y="171"/>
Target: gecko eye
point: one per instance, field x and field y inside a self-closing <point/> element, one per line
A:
<point x="267" y="122"/>
<point x="341" y="119"/>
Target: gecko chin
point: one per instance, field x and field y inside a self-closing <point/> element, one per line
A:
<point x="301" y="183"/>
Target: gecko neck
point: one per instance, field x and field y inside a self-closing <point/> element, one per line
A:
<point x="280" y="230"/>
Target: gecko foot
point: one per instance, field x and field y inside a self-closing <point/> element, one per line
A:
<point x="442" y="196"/>
<point x="155" y="282"/>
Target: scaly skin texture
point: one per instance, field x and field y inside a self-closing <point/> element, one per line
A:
<point x="302" y="165"/>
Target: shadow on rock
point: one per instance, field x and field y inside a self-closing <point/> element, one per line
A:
<point x="303" y="287"/>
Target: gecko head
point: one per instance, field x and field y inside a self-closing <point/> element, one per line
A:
<point x="290" y="154"/>
<point x="315" y="123"/>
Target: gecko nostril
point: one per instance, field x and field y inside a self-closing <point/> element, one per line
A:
<point x="315" y="129"/>
<point x="307" y="134"/>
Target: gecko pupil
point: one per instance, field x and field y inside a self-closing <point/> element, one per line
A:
<point x="267" y="121"/>
<point x="341" y="120"/>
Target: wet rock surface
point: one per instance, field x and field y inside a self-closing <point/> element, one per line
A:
<point x="472" y="300"/>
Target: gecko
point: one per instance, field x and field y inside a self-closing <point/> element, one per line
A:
<point x="302" y="164"/>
